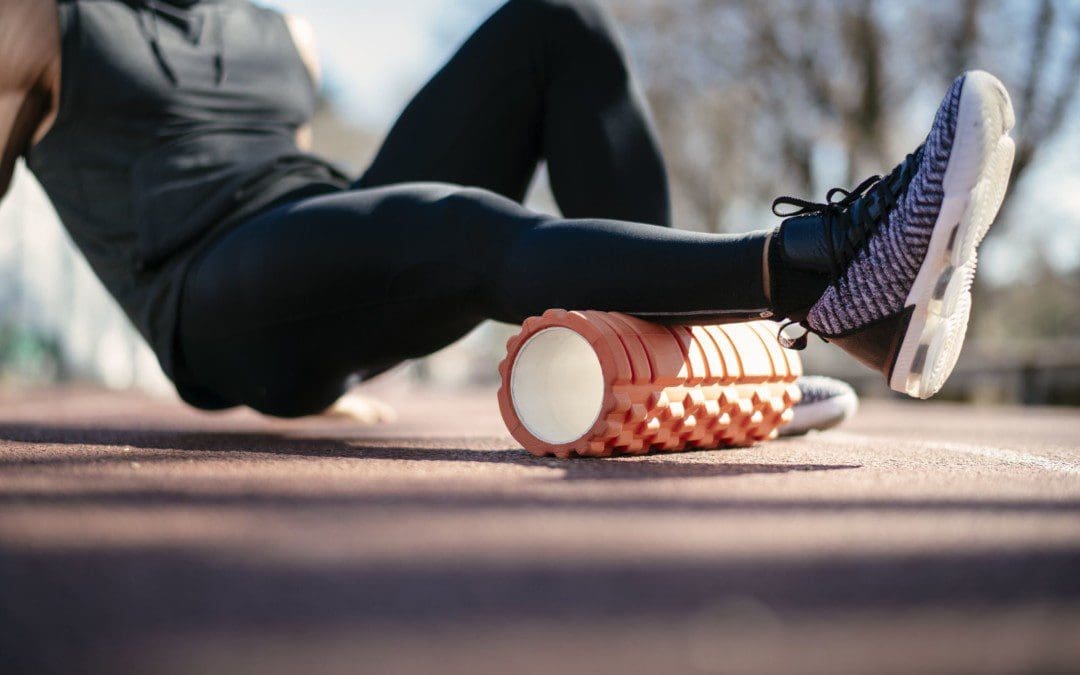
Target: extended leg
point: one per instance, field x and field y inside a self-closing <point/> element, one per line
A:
<point x="540" y="79"/>
<point x="282" y="310"/>
<point x="279" y="313"/>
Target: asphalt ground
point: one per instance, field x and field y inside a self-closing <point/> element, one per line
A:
<point x="138" y="536"/>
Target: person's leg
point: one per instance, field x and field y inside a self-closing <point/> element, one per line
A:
<point x="540" y="79"/>
<point x="280" y="312"/>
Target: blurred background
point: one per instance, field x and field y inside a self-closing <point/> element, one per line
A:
<point x="751" y="100"/>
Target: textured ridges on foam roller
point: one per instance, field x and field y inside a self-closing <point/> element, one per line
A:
<point x="669" y="388"/>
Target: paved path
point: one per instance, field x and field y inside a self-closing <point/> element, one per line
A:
<point x="137" y="536"/>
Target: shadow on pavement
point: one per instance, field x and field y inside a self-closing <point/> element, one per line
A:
<point x="72" y="601"/>
<point x="167" y="446"/>
<point x="452" y="501"/>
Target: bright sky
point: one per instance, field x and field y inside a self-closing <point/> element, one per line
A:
<point x="376" y="53"/>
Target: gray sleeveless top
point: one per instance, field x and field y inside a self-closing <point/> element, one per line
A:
<point x="177" y="121"/>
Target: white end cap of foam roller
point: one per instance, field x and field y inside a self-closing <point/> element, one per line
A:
<point x="557" y="385"/>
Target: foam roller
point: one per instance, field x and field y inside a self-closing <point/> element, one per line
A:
<point x="597" y="384"/>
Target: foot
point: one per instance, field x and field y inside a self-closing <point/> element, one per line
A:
<point x="361" y="409"/>
<point x="885" y="270"/>
<point x="825" y="403"/>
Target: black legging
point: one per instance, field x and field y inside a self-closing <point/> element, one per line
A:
<point x="283" y="310"/>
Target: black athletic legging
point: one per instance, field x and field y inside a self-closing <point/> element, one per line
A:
<point x="283" y="310"/>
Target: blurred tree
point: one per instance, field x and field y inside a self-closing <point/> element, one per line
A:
<point x="29" y="356"/>
<point x="754" y="99"/>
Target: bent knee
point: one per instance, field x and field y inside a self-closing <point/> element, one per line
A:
<point x="581" y="18"/>
<point x="572" y="10"/>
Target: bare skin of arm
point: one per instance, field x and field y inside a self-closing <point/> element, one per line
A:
<point x="303" y="36"/>
<point x="29" y="78"/>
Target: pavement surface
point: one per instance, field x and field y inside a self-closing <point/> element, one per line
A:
<point x="138" y="536"/>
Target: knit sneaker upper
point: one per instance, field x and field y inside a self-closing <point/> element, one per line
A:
<point x="876" y="283"/>
<point x="816" y="388"/>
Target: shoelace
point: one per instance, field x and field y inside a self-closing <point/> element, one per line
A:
<point x="881" y="195"/>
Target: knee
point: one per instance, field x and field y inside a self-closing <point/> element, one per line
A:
<point x="568" y="12"/>
<point x="582" y="22"/>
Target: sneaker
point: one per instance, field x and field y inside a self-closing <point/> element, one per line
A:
<point x="884" y="271"/>
<point x="825" y="403"/>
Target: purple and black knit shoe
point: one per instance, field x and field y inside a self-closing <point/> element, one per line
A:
<point x="884" y="271"/>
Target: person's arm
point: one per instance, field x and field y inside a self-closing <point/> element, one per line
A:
<point x="29" y="74"/>
<point x="303" y="36"/>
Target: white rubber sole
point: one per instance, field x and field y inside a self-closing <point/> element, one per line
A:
<point x="975" y="182"/>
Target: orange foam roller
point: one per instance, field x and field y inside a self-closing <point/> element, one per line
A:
<point x="596" y="384"/>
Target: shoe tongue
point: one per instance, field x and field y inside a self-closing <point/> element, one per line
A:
<point x="804" y="243"/>
<point x="798" y="267"/>
<point x="867" y="208"/>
